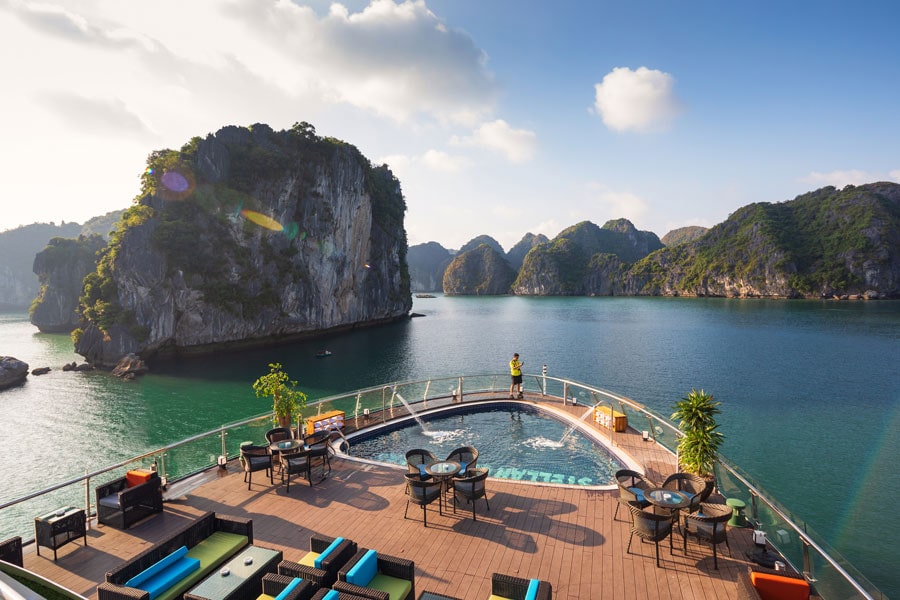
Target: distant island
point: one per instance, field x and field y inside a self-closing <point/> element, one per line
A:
<point x="828" y="243"/>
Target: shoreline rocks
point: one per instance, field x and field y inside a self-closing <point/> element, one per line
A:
<point x="12" y="372"/>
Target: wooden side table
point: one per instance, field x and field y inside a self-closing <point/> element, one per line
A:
<point x="58" y="528"/>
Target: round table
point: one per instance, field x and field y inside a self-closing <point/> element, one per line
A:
<point x="443" y="471"/>
<point x="670" y="499"/>
<point x="737" y="518"/>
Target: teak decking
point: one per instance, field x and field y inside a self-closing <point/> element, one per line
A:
<point x="564" y="535"/>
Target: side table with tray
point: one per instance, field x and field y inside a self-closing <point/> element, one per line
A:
<point x="56" y="529"/>
<point x="238" y="579"/>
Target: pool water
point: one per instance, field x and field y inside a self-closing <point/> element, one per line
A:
<point x="516" y="442"/>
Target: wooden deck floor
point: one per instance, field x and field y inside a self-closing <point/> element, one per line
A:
<point x="564" y="535"/>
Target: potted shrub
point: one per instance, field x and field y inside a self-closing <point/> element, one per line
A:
<point x="287" y="400"/>
<point x="698" y="447"/>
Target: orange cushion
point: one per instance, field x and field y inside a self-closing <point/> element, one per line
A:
<point x="778" y="587"/>
<point x="133" y="478"/>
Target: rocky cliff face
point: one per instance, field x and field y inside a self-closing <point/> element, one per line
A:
<point x="60" y="268"/>
<point x="567" y="265"/>
<point x="481" y="271"/>
<point x="427" y="263"/>
<point x="516" y="254"/>
<point x="18" y="285"/>
<point x="248" y="237"/>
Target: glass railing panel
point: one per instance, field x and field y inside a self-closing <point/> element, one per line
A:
<point x="191" y="457"/>
<point x="19" y="518"/>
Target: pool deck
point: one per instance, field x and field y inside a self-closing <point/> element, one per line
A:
<point x="564" y="535"/>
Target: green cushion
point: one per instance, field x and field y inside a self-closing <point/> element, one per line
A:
<point x="394" y="586"/>
<point x="211" y="553"/>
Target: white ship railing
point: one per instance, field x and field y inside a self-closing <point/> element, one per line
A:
<point x="833" y="576"/>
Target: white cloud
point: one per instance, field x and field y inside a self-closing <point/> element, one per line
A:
<point x="441" y="161"/>
<point x="895" y="175"/>
<point x="614" y="204"/>
<point x="840" y="179"/>
<point x="518" y="145"/>
<point x="642" y="100"/>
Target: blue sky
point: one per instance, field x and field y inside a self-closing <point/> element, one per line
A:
<point x="498" y="117"/>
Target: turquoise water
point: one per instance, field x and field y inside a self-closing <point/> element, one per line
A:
<point x="515" y="442"/>
<point x="810" y="390"/>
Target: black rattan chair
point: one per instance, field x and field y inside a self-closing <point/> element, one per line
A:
<point x="651" y="527"/>
<point x="273" y="585"/>
<point x="296" y="463"/>
<point x="516" y="588"/>
<point x="631" y="489"/>
<point x="11" y="551"/>
<point x="320" y="447"/>
<point x="278" y="434"/>
<point x="256" y="458"/>
<point x="326" y="574"/>
<point x="422" y="493"/>
<point x="690" y="484"/>
<point x="708" y="524"/>
<point x="466" y="456"/>
<point x="470" y="488"/>
<point x="391" y="566"/>
<point x="416" y="461"/>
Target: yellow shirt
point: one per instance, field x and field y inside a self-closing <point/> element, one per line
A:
<point x="515" y="367"/>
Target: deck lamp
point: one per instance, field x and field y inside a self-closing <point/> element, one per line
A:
<point x="645" y="435"/>
<point x="759" y="538"/>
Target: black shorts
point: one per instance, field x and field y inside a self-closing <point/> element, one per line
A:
<point x="516" y="379"/>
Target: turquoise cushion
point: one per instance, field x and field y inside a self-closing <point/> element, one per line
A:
<point x="364" y="569"/>
<point x="317" y="563"/>
<point x="331" y="595"/>
<point x="638" y="494"/>
<point x="157" y="567"/>
<point x="422" y="472"/>
<point x="531" y="593"/>
<point x="177" y="571"/>
<point x="290" y="588"/>
<point x="462" y="466"/>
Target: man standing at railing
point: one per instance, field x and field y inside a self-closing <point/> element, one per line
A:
<point x="515" y="370"/>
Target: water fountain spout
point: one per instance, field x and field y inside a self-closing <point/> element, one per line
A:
<point x="413" y="413"/>
<point x="571" y="429"/>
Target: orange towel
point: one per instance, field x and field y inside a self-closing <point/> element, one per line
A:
<point x="133" y="478"/>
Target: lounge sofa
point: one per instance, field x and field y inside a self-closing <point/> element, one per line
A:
<point x="170" y="568"/>
<point x="282" y="587"/>
<point x="761" y="583"/>
<point x="124" y="501"/>
<point x="377" y="576"/>
<point x="321" y="564"/>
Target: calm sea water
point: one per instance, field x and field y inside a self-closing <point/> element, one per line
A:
<point x="810" y="391"/>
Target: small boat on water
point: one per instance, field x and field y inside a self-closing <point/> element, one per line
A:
<point x="425" y="296"/>
<point x="323" y="354"/>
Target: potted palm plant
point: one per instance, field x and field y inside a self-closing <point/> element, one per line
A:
<point x="698" y="448"/>
<point x="287" y="400"/>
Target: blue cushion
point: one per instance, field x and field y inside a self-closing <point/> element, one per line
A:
<point x="462" y="466"/>
<point x="638" y="493"/>
<point x="364" y="570"/>
<point x="531" y="593"/>
<point x="317" y="563"/>
<point x="331" y="595"/>
<point x="290" y="588"/>
<point x="422" y="472"/>
<point x="177" y="571"/>
<point x="157" y="567"/>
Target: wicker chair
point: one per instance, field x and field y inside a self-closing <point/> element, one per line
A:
<point x="416" y="461"/>
<point x="708" y="524"/>
<point x="273" y="584"/>
<point x="320" y="447"/>
<point x="256" y="458"/>
<point x="391" y="566"/>
<point x="690" y="484"/>
<point x="296" y="463"/>
<point x="470" y="488"/>
<point x="326" y="574"/>
<point x="651" y="527"/>
<point x="516" y="588"/>
<point x="11" y="551"/>
<point x="631" y="489"/>
<point x="466" y="456"/>
<point x="422" y="493"/>
<point x="278" y="434"/>
<point x="324" y="593"/>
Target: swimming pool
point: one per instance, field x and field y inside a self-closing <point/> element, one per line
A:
<point x="515" y="441"/>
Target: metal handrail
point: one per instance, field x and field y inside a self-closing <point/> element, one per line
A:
<point x="541" y="381"/>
